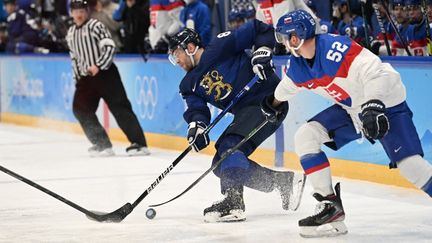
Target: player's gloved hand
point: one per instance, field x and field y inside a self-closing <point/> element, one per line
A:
<point x="262" y="62"/>
<point x="196" y="136"/>
<point x="375" y="122"/>
<point x="271" y="113"/>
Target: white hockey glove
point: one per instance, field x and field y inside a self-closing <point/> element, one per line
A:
<point x="375" y="122"/>
<point x="196" y="136"/>
<point x="262" y="62"/>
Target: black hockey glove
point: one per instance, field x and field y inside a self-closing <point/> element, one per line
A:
<point x="196" y="136"/>
<point x="375" y="122"/>
<point x="273" y="114"/>
<point x="262" y="62"/>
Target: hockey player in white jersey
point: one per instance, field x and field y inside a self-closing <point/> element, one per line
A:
<point x="269" y="11"/>
<point x="369" y="101"/>
<point x="164" y="21"/>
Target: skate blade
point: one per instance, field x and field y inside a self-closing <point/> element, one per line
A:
<point x="104" y="153"/>
<point x="299" y="182"/>
<point x="135" y="152"/>
<point x="325" y="230"/>
<point x="234" y="216"/>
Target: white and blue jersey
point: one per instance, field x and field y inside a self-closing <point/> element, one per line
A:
<point x="351" y="75"/>
<point x="344" y="72"/>
<point x="224" y="69"/>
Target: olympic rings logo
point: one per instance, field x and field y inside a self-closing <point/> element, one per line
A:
<point x="146" y="96"/>
<point x="68" y="89"/>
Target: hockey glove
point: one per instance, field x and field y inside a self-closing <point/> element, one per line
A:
<point x="196" y="136"/>
<point x="262" y="62"/>
<point x="272" y="114"/>
<point x="375" y="122"/>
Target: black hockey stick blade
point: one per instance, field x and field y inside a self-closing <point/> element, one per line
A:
<point x="216" y="164"/>
<point x="114" y="217"/>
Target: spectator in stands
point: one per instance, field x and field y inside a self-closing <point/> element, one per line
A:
<point x="429" y="12"/>
<point x="236" y="18"/>
<point x="269" y="11"/>
<point x="136" y="20"/>
<point x="416" y="33"/>
<point x="22" y="30"/>
<point x="378" y="46"/>
<point x="48" y="9"/>
<point x="351" y="23"/>
<point x="108" y="6"/>
<point x="102" y="15"/>
<point x="414" y="11"/>
<point x="325" y="26"/>
<point x="3" y="14"/>
<point x="400" y="14"/>
<point x="250" y="12"/>
<point x="164" y="22"/>
<point x="197" y="15"/>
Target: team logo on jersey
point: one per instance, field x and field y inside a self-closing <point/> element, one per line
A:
<point x="213" y="83"/>
<point x="339" y="94"/>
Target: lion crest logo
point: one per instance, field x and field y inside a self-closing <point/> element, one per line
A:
<point x="211" y="81"/>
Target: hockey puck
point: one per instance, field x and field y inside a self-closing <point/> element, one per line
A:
<point x="150" y="213"/>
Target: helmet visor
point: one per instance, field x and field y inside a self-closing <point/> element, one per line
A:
<point x="173" y="55"/>
<point x="281" y="38"/>
<point x="172" y="59"/>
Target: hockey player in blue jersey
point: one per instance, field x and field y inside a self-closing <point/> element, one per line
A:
<point x="215" y="74"/>
<point x="369" y="101"/>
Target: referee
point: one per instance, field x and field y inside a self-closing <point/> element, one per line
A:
<point x="92" y="50"/>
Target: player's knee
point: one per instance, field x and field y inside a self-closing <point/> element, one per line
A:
<point x="231" y="141"/>
<point x="418" y="171"/>
<point x="309" y="138"/>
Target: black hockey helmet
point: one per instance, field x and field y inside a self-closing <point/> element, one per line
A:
<point x="77" y="4"/>
<point x="182" y="38"/>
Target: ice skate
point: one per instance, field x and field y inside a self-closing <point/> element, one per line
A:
<point x="230" y="209"/>
<point x="99" y="151"/>
<point x="136" y="150"/>
<point x="290" y="186"/>
<point x="328" y="218"/>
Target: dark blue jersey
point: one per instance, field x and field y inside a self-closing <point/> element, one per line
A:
<point x="224" y="69"/>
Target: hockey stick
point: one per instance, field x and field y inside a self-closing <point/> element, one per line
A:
<point x="128" y="208"/>
<point x="365" y="24"/>
<point x="216" y="164"/>
<point x="428" y="34"/>
<point x="116" y="216"/>
<point x="388" y="15"/>
<point x="219" y="15"/>
<point x="189" y="148"/>
<point x="121" y="213"/>
<point x="381" y="25"/>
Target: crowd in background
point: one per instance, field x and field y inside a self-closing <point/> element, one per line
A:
<point x="395" y="27"/>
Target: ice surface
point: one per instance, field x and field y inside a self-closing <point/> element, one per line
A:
<point x="59" y="162"/>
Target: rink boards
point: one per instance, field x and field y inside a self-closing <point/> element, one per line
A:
<point x="38" y="91"/>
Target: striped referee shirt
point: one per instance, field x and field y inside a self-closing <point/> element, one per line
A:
<point x="90" y="44"/>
